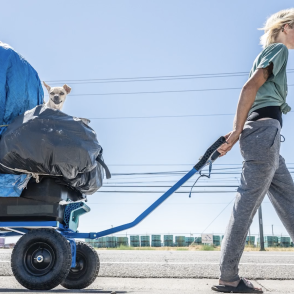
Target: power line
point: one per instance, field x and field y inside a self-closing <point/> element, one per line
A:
<point x="161" y="192"/>
<point x="165" y="116"/>
<point x="173" y="164"/>
<point x="179" y="203"/>
<point x="170" y="164"/>
<point x="158" y="92"/>
<point x="149" y="80"/>
<point x="148" y="177"/>
<point x="185" y="171"/>
<point x="222" y="179"/>
<point x="162" y="116"/>
<point x="140" y="186"/>
<point x="174" y="203"/>
<point x="171" y="173"/>
<point x="157" y="78"/>
<point x="218" y="215"/>
<point x="153" y="77"/>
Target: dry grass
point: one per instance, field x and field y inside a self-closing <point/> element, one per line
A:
<point x="197" y="248"/>
<point x="190" y="248"/>
<point x="251" y="248"/>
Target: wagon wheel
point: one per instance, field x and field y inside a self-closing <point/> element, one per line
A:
<point x="86" y="270"/>
<point x="41" y="259"/>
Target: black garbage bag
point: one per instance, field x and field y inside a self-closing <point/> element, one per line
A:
<point x="89" y="182"/>
<point x="86" y="183"/>
<point x="45" y="141"/>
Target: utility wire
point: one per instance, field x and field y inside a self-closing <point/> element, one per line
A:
<point x="223" y="179"/>
<point x="225" y="173"/>
<point x="150" y="80"/>
<point x="178" y="203"/>
<point x="170" y="164"/>
<point x="162" y="192"/>
<point x="153" y="77"/>
<point x="159" y="92"/>
<point x="174" y="164"/>
<point x="169" y="173"/>
<point x="140" y="186"/>
<point x="159" y="78"/>
<point x="178" y="171"/>
<point x="218" y="215"/>
<point x="174" y="203"/>
<point x="162" y="116"/>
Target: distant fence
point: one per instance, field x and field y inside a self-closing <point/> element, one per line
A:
<point x="180" y="241"/>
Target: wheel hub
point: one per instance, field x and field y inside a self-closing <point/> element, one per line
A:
<point x="39" y="258"/>
<point x="80" y="263"/>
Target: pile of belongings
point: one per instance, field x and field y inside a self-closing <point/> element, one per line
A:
<point x="37" y="141"/>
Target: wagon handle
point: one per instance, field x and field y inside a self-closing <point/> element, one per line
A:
<point x="211" y="153"/>
<point x="209" y="156"/>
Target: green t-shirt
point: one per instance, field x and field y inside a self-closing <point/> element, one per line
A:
<point x="274" y="91"/>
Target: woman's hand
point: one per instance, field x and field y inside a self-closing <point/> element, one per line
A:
<point x="231" y="139"/>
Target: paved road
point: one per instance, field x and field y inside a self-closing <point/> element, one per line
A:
<point x="147" y="286"/>
<point x="179" y="271"/>
<point x="182" y="264"/>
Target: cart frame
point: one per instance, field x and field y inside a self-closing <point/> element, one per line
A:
<point x="18" y="228"/>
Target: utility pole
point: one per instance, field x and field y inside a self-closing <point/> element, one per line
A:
<point x="260" y="229"/>
<point x="273" y="229"/>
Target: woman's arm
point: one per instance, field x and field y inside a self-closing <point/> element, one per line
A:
<point x="245" y="102"/>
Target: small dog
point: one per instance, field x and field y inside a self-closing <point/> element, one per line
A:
<point x="57" y="96"/>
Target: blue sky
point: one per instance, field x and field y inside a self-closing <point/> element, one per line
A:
<point x="78" y="40"/>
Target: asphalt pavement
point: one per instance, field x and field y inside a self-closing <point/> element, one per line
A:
<point x="171" y="272"/>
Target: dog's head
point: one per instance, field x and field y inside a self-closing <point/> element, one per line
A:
<point x="57" y="96"/>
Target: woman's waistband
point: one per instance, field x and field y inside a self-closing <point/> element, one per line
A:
<point x="270" y="122"/>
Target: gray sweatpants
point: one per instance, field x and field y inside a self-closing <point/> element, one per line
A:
<point x="264" y="171"/>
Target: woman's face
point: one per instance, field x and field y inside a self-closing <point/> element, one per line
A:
<point x="289" y="36"/>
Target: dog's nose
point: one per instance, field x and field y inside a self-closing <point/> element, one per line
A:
<point x="56" y="97"/>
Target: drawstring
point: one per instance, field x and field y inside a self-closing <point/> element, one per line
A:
<point x="283" y="138"/>
<point x="207" y="176"/>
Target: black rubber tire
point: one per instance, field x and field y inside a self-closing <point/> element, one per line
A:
<point x="87" y="269"/>
<point x="51" y="246"/>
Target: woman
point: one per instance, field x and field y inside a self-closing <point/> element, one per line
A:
<point x="257" y="125"/>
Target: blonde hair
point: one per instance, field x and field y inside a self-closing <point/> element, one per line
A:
<point x="274" y="24"/>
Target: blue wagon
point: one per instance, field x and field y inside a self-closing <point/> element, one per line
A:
<point x="46" y="216"/>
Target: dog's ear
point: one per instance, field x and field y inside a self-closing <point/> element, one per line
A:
<point x="47" y="86"/>
<point x="67" y="88"/>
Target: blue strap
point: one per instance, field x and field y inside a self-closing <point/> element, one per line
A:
<point x="207" y="176"/>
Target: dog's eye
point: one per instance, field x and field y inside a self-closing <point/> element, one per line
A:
<point x="61" y="93"/>
<point x="52" y="93"/>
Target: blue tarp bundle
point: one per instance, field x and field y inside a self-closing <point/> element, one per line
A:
<point x="20" y="90"/>
<point x="12" y="185"/>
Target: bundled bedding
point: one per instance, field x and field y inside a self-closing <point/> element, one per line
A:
<point x="38" y="141"/>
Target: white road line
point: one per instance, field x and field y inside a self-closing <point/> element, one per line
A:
<point x="269" y="255"/>
<point x="192" y="263"/>
<point x="183" y="263"/>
